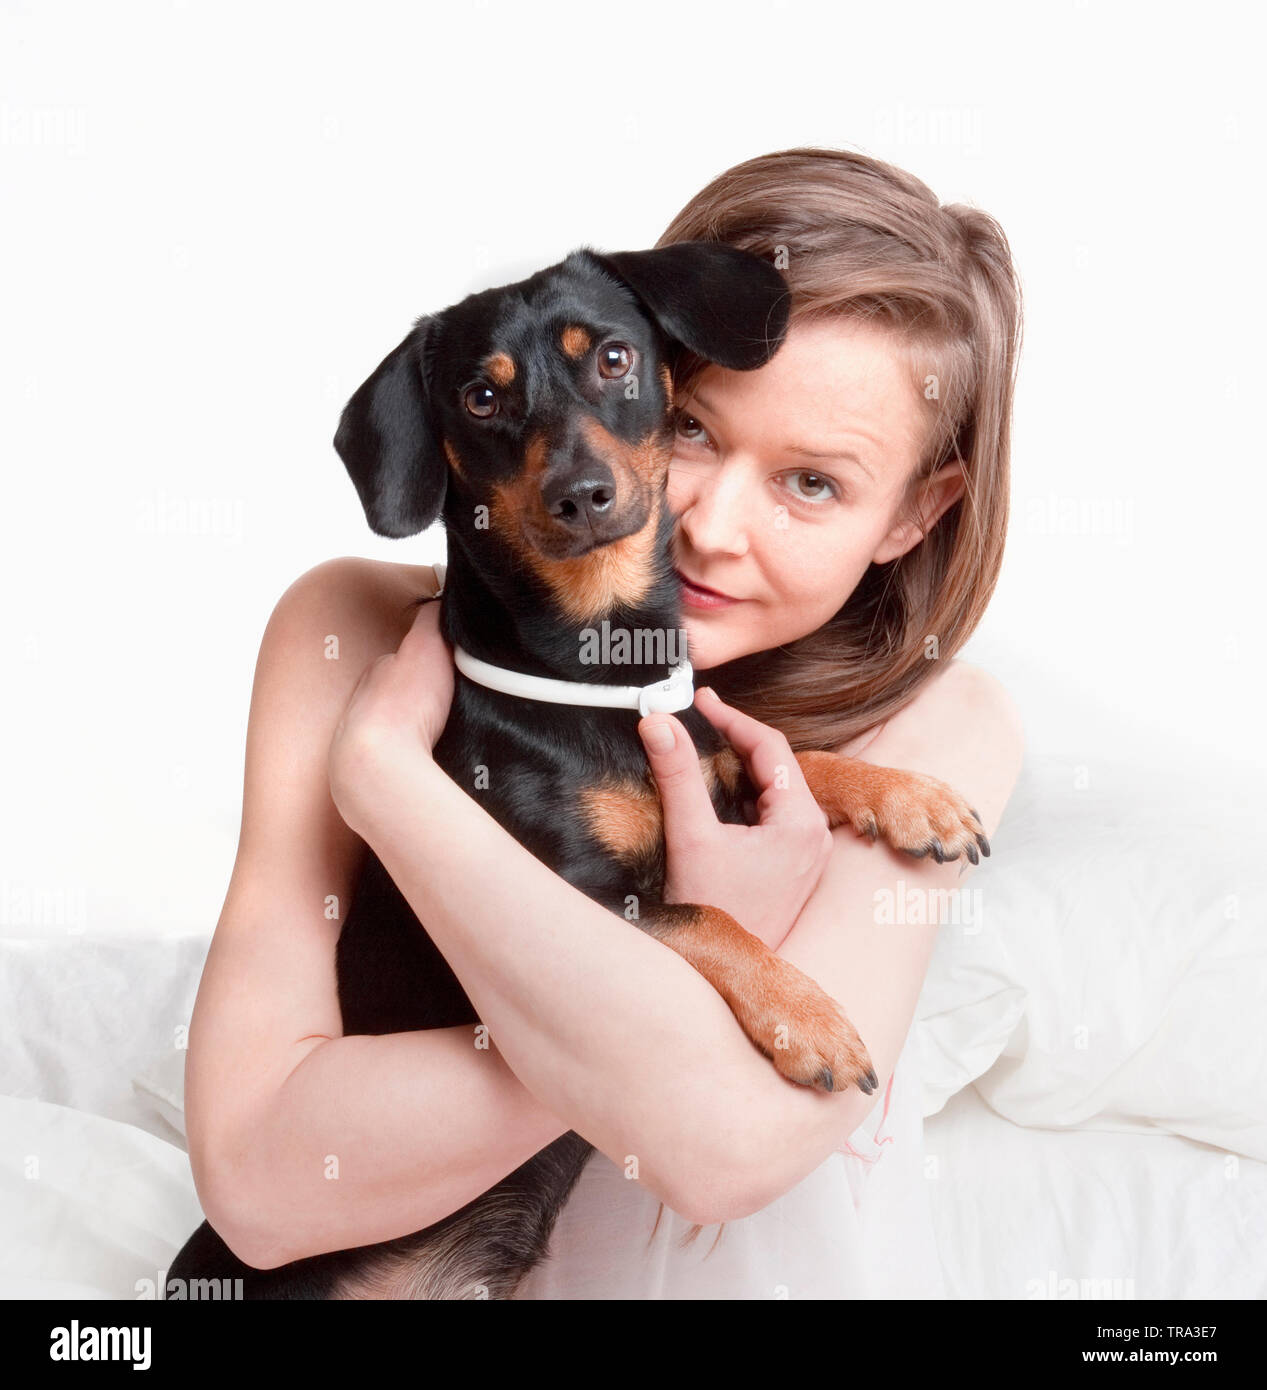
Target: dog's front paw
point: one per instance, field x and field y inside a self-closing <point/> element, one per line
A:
<point x="921" y="816"/>
<point x="907" y="810"/>
<point x="804" y="1032"/>
<point x="916" y="814"/>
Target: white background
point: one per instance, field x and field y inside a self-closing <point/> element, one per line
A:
<point x="217" y="218"/>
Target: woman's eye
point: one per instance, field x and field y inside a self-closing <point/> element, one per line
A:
<point x="480" y="401"/>
<point x="614" y="360"/>
<point x="811" y="487"/>
<point x="690" y="428"/>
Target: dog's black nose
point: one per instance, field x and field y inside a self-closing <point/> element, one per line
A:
<point x="579" y="500"/>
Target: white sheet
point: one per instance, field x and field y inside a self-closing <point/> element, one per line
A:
<point x="1109" y="1005"/>
<point x="83" y="1017"/>
<point x="1032" y="1213"/>
<point x="89" y="1207"/>
<point x="1017" y="1212"/>
<point x="1113" y="974"/>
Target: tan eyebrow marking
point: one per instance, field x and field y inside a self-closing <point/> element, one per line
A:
<point x="575" y="340"/>
<point x="500" y="369"/>
<point x="455" y="461"/>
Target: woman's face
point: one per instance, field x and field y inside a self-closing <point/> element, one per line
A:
<point x="788" y="482"/>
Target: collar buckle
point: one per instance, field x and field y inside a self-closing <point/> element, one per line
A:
<point x="669" y="696"/>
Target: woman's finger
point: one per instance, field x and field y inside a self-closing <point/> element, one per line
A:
<point x="424" y="632"/>
<point x="358" y="692"/>
<point x="688" y="808"/>
<point x="766" y="753"/>
<point x="417" y="658"/>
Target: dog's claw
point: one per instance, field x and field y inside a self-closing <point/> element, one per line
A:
<point x="915" y="815"/>
<point x="803" y="1030"/>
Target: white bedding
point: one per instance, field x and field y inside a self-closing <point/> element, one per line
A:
<point x="89" y="1207"/>
<point x="96" y="1194"/>
<point x="1018" y="1212"/>
<point x="1115" y="971"/>
<point x="1036" y="1213"/>
<point x="1092" y="1047"/>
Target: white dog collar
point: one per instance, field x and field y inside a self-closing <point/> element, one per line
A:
<point x="661" y="697"/>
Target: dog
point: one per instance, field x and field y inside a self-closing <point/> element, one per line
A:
<point x="538" y="420"/>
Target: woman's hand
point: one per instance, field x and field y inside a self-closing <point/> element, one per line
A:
<point x="761" y="874"/>
<point x="398" y="708"/>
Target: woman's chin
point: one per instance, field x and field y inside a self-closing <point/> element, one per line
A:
<point x="707" y="646"/>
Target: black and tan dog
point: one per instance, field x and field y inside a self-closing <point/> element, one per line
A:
<point x="537" y="419"/>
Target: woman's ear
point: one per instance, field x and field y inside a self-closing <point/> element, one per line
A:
<point x="386" y="441"/>
<point x="723" y="304"/>
<point x="932" y="498"/>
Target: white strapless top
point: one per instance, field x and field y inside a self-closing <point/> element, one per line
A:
<point x="859" y="1226"/>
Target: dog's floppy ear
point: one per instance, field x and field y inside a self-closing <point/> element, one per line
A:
<point x="386" y="440"/>
<point x="719" y="302"/>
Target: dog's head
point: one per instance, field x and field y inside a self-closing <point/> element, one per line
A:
<point x="539" y="415"/>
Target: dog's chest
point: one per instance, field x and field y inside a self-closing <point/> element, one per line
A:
<point x="573" y="786"/>
<point x="576" y="794"/>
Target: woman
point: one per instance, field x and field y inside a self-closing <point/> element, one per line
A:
<point x="841" y="517"/>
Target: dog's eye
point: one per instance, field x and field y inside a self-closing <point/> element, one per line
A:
<point x="614" y="360"/>
<point x="480" y="400"/>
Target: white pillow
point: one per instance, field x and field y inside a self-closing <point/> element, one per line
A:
<point x="161" y="1086"/>
<point x="1120" y="969"/>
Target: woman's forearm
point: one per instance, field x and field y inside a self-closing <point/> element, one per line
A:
<point x="614" y="1033"/>
<point x="374" y="1137"/>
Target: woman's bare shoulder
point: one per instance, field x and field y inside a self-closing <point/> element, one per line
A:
<point x="962" y="704"/>
<point x="324" y="630"/>
<point x="372" y="601"/>
<point x="331" y="622"/>
<point x="963" y="690"/>
<point x="964" y="729"/>
<point x="375" y="579"/>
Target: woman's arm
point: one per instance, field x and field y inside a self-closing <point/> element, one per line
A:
<point x="417" y="1123"/>
<point x="614" y="1033"/>
<point x="868" y="930"/>
<point x="303" y="1141"/>
<point x="865" y="927"/>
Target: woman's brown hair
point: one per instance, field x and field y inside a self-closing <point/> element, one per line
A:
<point x="859" y="238"/>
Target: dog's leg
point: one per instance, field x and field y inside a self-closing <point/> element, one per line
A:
<point x="917" y="814"/>
<point x="789" y="1018"/>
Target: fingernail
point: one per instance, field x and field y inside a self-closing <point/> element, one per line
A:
<point x="658" y="736"/>
<point x="708" y="690"/>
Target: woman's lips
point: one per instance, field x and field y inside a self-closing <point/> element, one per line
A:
<point x="697" y="596"/>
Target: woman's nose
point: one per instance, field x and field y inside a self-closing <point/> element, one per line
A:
<point x="711" y="510"/>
